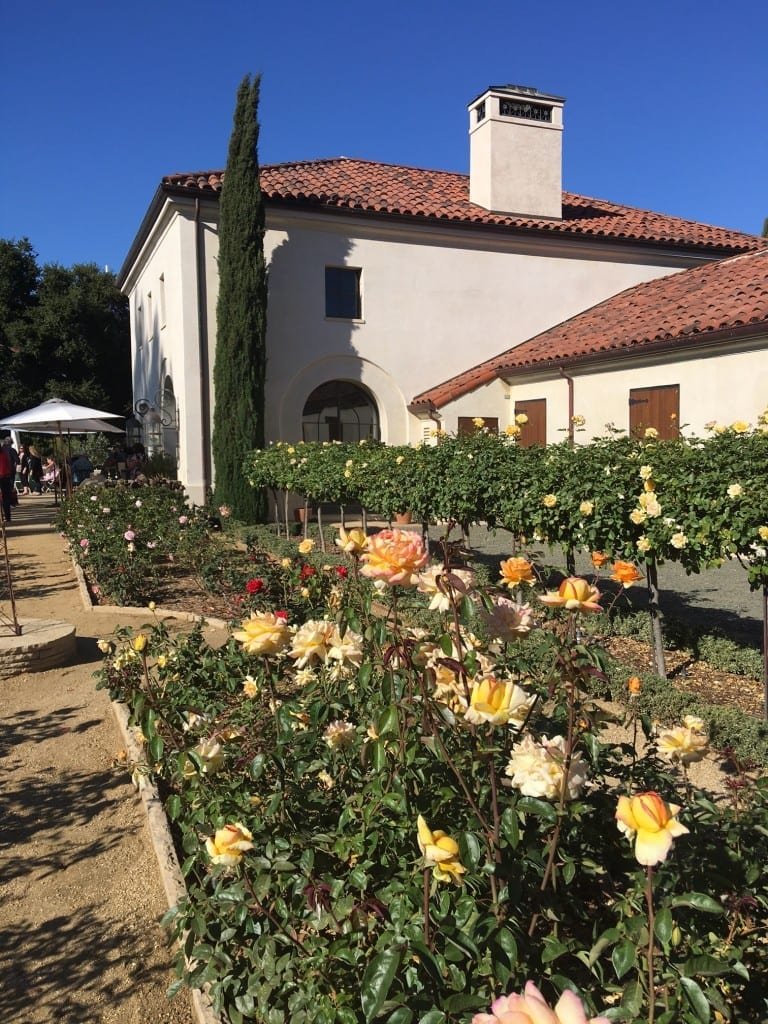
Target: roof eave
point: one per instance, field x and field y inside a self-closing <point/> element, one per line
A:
<point x="738" y="333"/>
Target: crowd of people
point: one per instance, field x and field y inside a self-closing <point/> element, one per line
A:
<point x="27" y="472"/>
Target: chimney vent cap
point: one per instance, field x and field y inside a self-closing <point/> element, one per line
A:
<point x="519" y="90"/>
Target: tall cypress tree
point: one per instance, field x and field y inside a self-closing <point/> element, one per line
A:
<point x="241" y="314"/>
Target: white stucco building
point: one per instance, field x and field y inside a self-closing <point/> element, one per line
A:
<point x="385" y="281"/>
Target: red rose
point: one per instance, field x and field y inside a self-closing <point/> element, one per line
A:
<point x="254" y="586"/>
<point x="282" y="615"/>
<point x="307" y="571"/>
<point x="342" y="571"/>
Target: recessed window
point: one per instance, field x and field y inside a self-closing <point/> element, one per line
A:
<point x="342" y="293"/>
<point x="339" y="410"/>
<point x="162" y="301"/>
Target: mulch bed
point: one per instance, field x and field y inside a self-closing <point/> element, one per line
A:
<point x="692" y="676"/>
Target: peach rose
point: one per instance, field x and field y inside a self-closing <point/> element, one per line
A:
<point x="532" y="1008"/>
<point x="394" y="557"/>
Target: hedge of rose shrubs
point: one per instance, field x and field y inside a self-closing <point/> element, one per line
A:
<point x="387" y="822"/>
<point x="692" y="500"/>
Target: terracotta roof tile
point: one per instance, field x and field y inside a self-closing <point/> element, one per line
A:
<point x="679" y="309"/>
<point x="389" y="189"/>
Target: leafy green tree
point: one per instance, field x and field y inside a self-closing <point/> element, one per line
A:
<point x="19" y="279"/>
<point x="63" y="331"/>
<point x="240" y="366"/>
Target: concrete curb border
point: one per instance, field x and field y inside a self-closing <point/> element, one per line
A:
<point x="164" y="850"/>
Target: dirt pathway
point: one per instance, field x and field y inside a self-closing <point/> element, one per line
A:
<point x="80" y="897"/>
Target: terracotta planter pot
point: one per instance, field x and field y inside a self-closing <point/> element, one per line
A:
<point x="403" y="518"/>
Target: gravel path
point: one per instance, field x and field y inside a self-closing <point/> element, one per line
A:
<point x="80" y="896"/>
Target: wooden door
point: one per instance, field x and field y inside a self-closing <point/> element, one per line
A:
<point x="467" y="425"/>
<point x="655" y="407"/>
<point x="534" y="430"/>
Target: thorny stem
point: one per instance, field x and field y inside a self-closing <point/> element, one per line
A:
<point x="496" y="829"/>
<point x="651" y="921"/>
<point x="554" y="840"/>
<point x="425" y="907"/>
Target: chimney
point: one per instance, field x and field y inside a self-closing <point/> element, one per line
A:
<point x="516" y="151"/>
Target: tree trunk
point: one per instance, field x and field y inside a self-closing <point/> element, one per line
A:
<point x="657" y="618"/>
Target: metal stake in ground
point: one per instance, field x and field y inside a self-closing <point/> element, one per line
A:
<point x="13" y="621"/>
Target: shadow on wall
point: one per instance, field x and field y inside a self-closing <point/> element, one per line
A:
<point x="300" y="333"/>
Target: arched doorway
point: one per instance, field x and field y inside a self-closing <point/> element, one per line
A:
<point x="339" y="411"/>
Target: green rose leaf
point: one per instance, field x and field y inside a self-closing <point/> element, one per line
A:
<point x="377" y="982"/>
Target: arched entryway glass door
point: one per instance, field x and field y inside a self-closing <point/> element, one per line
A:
<point x="340" y="411"/>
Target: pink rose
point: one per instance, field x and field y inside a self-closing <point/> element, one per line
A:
<point x="129" y="535"/>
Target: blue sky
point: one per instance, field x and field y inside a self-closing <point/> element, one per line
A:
<point x="667" y="102"/>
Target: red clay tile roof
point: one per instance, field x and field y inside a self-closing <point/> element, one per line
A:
<point x="683" y="308"/>
<point x="366" y="186"/>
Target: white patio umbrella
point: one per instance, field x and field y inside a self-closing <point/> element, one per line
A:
<point x="76" y="427"/>
<point x="54" y="415"/>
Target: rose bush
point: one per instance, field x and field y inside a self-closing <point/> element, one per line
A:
<point x="407" y="831"/>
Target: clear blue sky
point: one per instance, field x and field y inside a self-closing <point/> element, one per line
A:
<point x="667" y="100"/>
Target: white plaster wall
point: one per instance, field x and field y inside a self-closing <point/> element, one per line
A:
<point x="430" y="310"/>
<point x="435" y="303"/>
<point x="721" y="386"/>
<point x="173" y="348"/>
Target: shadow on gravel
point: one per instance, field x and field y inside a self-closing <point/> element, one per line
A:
<point x="698" y="607"/>
<point x="55" y="969"/>
<point x="49" y="817"/>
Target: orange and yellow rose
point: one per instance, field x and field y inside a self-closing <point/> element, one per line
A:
<point x="394" y="557"/>
<point x="652" y="824"/>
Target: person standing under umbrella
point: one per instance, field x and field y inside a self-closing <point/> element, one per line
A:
<point x="35" y="464"/>
<point x="7" y="476"/>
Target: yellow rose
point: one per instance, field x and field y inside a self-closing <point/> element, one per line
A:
<point x="652" y="824"/>
<point x="512" y="430"/>
<point x="762" y="532"/>
<point x="740" y="427"/>
<point x="140" y="642"/>
<point x="306" y="546"/>
<point x="478" y="422"/>
<point x="394" y="557"/>
<point x="587" y="508"/>
<point x="351" y="541"/>
<point x="651" y="432"/>
<point x="574" y="594"/>
<point x="678" y="540"/>
<point x="521" y="418"/>
<point x="440" y="852"/>
<point x="643" y="545"/>
<point x="286" y="563"/>
<point x="498" y="702"/>
<point x="228" y="844"/>
<point x="549" y="500"/>
<point x="263" y="633"/>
